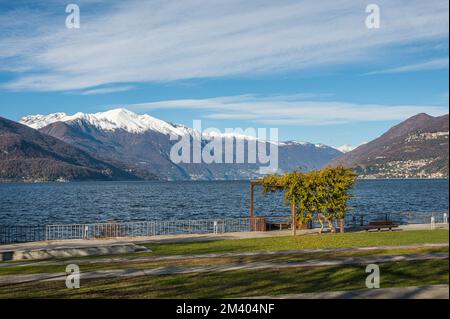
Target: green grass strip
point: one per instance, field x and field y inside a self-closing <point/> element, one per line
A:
<point x="234" y="284"/>
<point x="360" y="239"/>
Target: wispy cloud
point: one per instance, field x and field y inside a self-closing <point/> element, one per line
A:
<point x="435" y="64"/>
<point x="158" y="40"/>
<point x="107" y="90"/>
<point x="290" y="110"/>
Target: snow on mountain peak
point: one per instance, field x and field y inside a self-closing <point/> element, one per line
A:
<point x="40" y="121"/>
<point x="285" y="143"/>
<point x="123" y="119"/>
<point x="346" y="148"/>
<point x="111" y="120"/>
<point x="126" y="120"/>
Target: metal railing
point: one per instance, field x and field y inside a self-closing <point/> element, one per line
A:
<point x="153" y="228"/>
<point x="405" y="218"/>
<point x="21" y="234"/>
<point x="18" y="234"/>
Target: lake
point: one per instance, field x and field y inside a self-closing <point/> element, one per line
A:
<point x="89" y="202"/>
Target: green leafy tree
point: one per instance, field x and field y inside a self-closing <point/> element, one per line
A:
<point x="321" y="195"/>
<point x="296" y="191"/>
<point x="344" y="180"/>
<point x="335" y="186"/>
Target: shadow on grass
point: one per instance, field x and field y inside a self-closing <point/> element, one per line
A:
<point x="243" y="283"/>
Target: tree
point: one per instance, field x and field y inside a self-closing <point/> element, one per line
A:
<point x="295" y="187"/>
<point x="319" y="194"/>
<point x="345" y="181"/>
<point x="336" y="185"/>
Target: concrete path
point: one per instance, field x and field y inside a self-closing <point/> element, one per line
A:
<point x="151" y="239"/>
<point x="219" y="255"/>
<point x="424" y="292"/>
<point x="220" y="268"/>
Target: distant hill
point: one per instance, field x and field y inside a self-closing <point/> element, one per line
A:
<point x="28" y="155"/>
<point x="415" y="148"/>
<point x="141" y="144"/>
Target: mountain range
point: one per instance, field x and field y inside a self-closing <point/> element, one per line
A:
<point x="140" y="145"/>
<point x="415" y="148"/>
<point x="121" y="145"/>
<point x="28" y="155"/>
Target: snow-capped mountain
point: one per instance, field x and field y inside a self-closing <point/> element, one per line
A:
<point x="121" y="119"/>
<point x="141" y="144"/>
<point x="112" y="120"/>
<point x="28" y="155"/>
<point x="346" y="148"/>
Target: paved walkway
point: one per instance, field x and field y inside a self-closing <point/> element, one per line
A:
<point x="425" y="292"/>
<point x="76" y="243"/>
<point x="117" y="273"/>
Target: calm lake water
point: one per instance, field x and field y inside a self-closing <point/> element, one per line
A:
<point x="31" y="204"/>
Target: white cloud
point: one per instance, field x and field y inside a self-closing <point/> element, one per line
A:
<point x="291" y="110"/>
<point x="107" y="90"/>
<point x="159" y="40"/>
<point x="435" y="64"/>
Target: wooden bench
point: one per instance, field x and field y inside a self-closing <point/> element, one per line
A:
<point x="278" y="225"/>
<point x="383" y="224"/>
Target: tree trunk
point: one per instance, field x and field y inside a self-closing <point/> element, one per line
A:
<point x="330" y="225"/>
<point x="319" y="217"/>
<point x="342" y="224"/>
<point x="294" y="218"/>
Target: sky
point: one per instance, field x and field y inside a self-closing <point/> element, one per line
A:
<point x="312" y="69"/>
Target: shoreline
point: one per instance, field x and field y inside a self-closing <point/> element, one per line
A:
<point x="215" y="180"/>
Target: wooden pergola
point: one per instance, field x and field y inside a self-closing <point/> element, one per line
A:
<point x="252" y="207"/>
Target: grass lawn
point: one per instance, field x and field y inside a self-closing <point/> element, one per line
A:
<point x="243" y="283"/>
<point x="191" y="262"/>
<point x="360" y="239"/>
<point x="238" y="283"/>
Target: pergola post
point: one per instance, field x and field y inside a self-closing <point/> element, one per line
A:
<point x="252" y="186"/>
<point x="294" y="218"/>
<point x="252" y="207"/>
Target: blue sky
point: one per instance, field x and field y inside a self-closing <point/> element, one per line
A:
<point x="312" y="69"/>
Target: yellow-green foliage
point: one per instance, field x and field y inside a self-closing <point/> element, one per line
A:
<point x="323" y="192"/>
